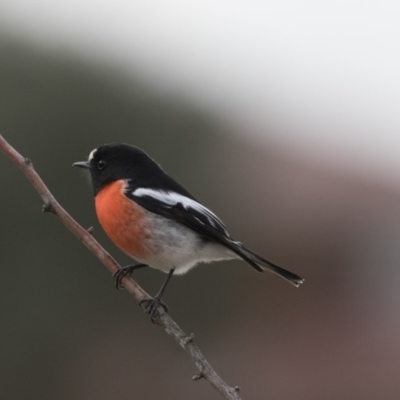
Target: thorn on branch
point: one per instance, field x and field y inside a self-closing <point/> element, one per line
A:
<point x="198" y="377"/>
<point x="90" y="230"/>
<point x="189" y="339"/>
<point x="236" y="389"/>
<point x="47" y="207"/>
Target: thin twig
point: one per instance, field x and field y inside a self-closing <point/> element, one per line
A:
<point x="84" y="235"/>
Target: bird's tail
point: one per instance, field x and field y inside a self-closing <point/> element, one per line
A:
<point x="261" y="264"/>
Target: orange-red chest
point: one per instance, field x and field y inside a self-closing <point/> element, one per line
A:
<point x="122" y="219"/>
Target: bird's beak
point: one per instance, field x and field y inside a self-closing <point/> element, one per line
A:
<point x="82" y="164"/>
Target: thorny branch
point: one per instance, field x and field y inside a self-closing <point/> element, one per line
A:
<point x="186" y="342"/>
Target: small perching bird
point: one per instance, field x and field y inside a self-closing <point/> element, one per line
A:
<point x="157" y="222"/>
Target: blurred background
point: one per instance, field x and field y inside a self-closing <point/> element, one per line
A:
<point x="282" y="117"/>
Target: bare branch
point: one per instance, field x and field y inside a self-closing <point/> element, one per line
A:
<point x="84" y="235"/>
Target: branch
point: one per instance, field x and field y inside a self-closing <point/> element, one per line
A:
<point x="171" y="328"/>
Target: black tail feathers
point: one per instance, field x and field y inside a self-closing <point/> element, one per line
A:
<point x="261" y="264"/>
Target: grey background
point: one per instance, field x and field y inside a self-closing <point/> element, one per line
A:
<point x="66" y="333"/>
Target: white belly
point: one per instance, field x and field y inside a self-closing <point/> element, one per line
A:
<point x="173" y="245"/>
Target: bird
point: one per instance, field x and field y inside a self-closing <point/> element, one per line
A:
<point x="157" y="222"/>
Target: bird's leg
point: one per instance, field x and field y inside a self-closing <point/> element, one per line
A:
<point x="125" y="271"/>
<point x="152" y="304"/>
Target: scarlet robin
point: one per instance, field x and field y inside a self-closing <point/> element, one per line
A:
<point x="157" y="222"/>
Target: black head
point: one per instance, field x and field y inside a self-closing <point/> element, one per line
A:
<point x="115" y="161"/>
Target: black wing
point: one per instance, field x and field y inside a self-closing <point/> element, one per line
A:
<point x="190" y="213"/>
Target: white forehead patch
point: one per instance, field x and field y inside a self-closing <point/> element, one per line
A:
<point x="91" y="155"/>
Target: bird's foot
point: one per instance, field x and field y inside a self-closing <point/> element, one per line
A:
<point x="123" y="272"/>
<point x="151" y="307"/>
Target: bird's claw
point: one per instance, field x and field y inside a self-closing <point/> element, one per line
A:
<point x="151" y="308"/>
<point x="120" y="274"/>
<point x="123" y="272"/>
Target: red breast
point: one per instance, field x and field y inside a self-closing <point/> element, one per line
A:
<point x="122" y="219"/>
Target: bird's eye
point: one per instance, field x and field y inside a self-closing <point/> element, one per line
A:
<point x="101" y="164"/>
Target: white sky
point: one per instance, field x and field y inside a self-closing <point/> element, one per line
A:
<point x="324" y="74"/>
